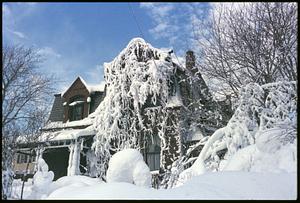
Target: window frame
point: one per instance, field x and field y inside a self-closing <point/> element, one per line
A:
<point x="72" y="114"/>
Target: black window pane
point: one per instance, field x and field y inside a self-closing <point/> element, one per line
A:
<point x="19" y="158"/>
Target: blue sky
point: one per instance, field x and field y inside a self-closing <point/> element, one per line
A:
<point x="77" y="38"/>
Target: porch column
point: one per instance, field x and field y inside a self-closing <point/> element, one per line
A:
<point x="39" y="154"/>
<point x="74" y="158"/>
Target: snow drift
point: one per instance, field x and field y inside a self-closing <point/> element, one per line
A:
<point x="231" y="185"/>
<point x="128" y="166"/>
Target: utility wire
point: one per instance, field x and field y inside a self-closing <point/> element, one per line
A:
<point x="141" y="32"/>
<point x="135" y="19"/>
<point x="140" y="29"/>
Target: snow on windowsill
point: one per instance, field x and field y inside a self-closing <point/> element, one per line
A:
<point x="76" y="102"/>
<point x="174" y="101"/>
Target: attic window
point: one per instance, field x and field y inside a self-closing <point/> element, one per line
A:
<point x="76" y="108"/>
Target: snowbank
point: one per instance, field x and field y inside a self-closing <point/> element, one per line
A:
<point x="128" y="166"/>
<point x="218" y="185"/>
<point x="41" y="181"/>
<point x="252" y="159"/>
<point x="17" y="189"/>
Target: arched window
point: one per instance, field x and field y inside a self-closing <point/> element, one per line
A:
<point x="76" y="105"/>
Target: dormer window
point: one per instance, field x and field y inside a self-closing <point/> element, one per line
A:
<point x="76" y="107"/>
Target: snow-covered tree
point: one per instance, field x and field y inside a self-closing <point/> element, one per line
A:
<point x="136" y="79"/>
<point x="248" y="42"/>
<point x="25" y="95"/>
<point x="260" y="108"/>
<point x="148" y="94"/>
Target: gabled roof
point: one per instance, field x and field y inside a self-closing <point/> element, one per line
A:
<point x="90" y="88"/>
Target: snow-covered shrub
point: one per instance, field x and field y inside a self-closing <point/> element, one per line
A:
<point x="265" y="116"/>
<point x="42" y="180"/>
<point x="128" y="166"/>
<point x="136" y="78"/>
<point x="251" y="158"/>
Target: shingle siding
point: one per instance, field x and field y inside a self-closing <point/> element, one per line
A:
<point x="57" y="110"/>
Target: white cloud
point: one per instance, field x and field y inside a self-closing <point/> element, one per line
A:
<point x="19" y="34"/>
<point x="13" y="14"/>
<point x="146" y="5"/>
<point x="162" y="10"/>
<point x="95" y="75"/>
<point x="174" y="22"/>
<point x="48" y="52"/>
<point x="160" y="13"/>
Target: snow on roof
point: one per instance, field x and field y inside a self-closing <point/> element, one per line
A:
<point x="96" y="88"/>
<point x="66" y="134"/>
<point x="84" y="122"/>
<point x="22" y="139"/>
<point x="90" y="87"/>
<point x="179" y="61"/>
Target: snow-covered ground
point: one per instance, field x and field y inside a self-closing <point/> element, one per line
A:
<point x="213" y="185"/>
<point x="250" y="174"/>
<point x="17" y="188"/>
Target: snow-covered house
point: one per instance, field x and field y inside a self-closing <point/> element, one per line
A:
<point x="65" y="142"/>
<point x="69" y="123"/>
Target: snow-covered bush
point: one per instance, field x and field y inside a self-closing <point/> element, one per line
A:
<point x="136" y="78"/>
<point x="42" y="180"/>
<point x="273" y="157"/>
<point x="128" y="166"/>
<point x="265" y="116"/>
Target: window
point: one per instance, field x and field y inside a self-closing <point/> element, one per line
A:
<point x="22" y="158"/>
<point x="19" y="158"/>
<point x="76" y="105"/>
<point x="153" y="158"/>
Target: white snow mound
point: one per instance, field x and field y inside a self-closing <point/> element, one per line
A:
<point x="128" y="166"/>
<point x="41" y="181"/>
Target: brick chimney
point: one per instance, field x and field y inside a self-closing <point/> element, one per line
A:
<point x="190" y="61"/>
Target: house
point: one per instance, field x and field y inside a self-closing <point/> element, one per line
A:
<point x="70" y="117"/>
<point x="65" y="142"/>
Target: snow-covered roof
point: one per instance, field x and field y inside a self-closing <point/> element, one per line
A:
<point x="179" y="61"/>
<point x="22" y="139"/>
<point x="84" y="122"/>
<point x="96" y="88"/>
<point x="66" y="134"/>
<point x="90" y="87"/>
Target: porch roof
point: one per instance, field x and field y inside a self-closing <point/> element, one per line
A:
<point x="66" y="134"/>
